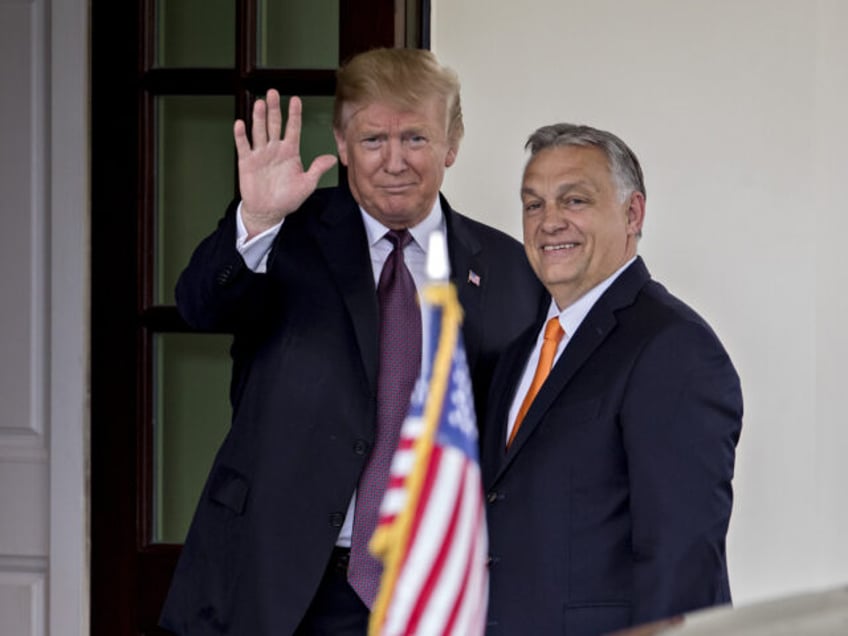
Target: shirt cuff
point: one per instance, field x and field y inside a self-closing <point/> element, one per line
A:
<point x="255" y="251"/>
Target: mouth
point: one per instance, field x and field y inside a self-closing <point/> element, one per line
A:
<point x="559" y="246"/>
<point x="397" y="188"/>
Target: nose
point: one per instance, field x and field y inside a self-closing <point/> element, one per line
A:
<point x="395" y="160"/>
<point x="553" y="219"/>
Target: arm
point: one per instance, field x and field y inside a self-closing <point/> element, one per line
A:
<point x="217" y="291"/>
<point x="680" y="420"/>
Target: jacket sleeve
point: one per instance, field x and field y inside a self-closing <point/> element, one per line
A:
<point x="681" y="420"/>
<point x="217" y="291"/>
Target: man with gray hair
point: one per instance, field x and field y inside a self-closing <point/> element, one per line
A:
<point x="609" y="447"/>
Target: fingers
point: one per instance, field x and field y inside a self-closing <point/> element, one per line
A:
<point x="275" y="115"/>
<point x="258" y="131"/>
<point x="267" y="120"/>
<point x="266" y="124"/>
<point x="240" y="136"/>
<point x="293" y="123"/>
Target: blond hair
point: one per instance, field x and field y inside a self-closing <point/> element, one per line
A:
<point x="403" y="77"/>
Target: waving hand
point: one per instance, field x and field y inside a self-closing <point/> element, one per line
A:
<point x="272" y="180"/>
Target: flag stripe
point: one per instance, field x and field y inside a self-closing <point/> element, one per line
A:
<point x="464" y="612"/>
<point x="426" y="596"/>
<point x="451" y="589"/>
<point x="455" y="619"/>
<point x="423" y="544"/>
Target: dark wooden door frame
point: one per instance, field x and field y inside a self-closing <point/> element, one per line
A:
<point x="129" y="574"/>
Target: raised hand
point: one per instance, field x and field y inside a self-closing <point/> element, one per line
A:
<point x="272" y="180"/>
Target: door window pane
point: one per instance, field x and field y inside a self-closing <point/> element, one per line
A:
<point x="298" y="34"/>
<point x="316" y="136"/>
<point x="195" y="33"/>
<point x="194" y="179"/>
<point x="192" y="416"/>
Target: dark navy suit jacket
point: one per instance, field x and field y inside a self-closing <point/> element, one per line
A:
<point x="612" y="504"/>
<point x="303" y="393"/>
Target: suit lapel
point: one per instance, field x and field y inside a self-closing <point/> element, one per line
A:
<point x="343" y="241"/>
<point x="588" y="337"/>
<point x="595" y="328"/>
<point x="493" y="444"/>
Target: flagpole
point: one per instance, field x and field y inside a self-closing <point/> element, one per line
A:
<point x="437" y="258"/>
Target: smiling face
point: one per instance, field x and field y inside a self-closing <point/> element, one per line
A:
<point x="396" y="159"/>
<point x="577" y="229"/>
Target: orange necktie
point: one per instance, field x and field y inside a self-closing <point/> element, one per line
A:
<point x="553" y="334"/>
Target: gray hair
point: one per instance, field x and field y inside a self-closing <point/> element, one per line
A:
<point x="623" y="164"/>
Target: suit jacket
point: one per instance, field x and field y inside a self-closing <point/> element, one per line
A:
<point x="612" y="504"/>
<point x="303" y="393"/>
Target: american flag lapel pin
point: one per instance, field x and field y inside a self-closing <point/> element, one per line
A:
<point x="473" y="278"/>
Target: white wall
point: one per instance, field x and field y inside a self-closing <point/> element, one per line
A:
<point x="736" y="109"/>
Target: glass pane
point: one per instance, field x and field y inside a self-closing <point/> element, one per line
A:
<point x="194" y="179"/>
<point x="298" y="34"/>
<point x="316" y="134"/>
<point x="195" y="33"/>
<point x="192" y="416"/>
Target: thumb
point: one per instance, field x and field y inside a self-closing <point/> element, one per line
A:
<point x="320" y="165"/>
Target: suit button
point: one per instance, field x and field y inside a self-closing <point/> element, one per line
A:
<point x="492" y="560"/>
<point x="224" y="275"/>
<point x="336" y="519"/>
<point x="360" y="447"/>
<point x="492" y="496"/>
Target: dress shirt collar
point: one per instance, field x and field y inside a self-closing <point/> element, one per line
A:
<point x="571" y="317"/>
<point x="420" y="233"/>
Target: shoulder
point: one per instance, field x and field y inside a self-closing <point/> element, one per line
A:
<point x="668" y="324"/>
<point x="489" y="247"/>
<point x="486" y="235"/>
<point x="667" y="309"/>
<point x="636" y="298"/>
<point x="646" y="314"/>
<point x="327" y="213"/>
<point x="323" y="204"/>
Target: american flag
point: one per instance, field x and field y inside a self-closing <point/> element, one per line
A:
<point x="431" y="535"/>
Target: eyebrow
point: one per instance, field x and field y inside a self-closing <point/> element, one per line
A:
<point x="563" y="188"/>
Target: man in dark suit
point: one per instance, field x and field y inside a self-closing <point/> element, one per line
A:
<point x="609" y="490"/>
<point x="295" y="273"/>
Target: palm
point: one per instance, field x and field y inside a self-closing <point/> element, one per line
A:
<point x="272" y="180"/>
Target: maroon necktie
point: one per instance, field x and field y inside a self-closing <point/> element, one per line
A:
<point x="400" y="362"/>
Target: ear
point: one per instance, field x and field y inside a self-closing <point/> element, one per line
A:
<point x="450" y="158"/>
<point x="635" y="213"/>
<point x="341" y="145"/>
